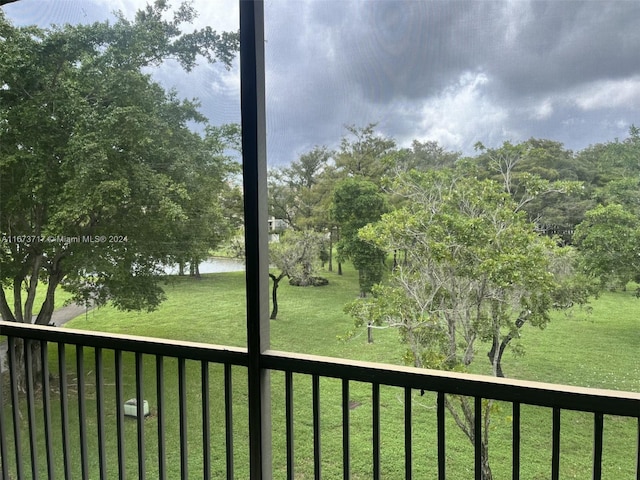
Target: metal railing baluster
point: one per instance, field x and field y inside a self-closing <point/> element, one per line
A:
<point x="162" y="452"/>
<point x="638" y="452"/>
<point x="122" y="468"/>
<point x="408" y="440"/>
<point x="555" y="445"/>
<point x="558" y="398"/>
<point x="182" y="401"/>
<point x="64" y="409"/>
<point x="31" y="408"/>
<point x="15" y="403"/>
<point x="82" y="411"/>
<point x="102" y="453"/>
<point x="441" y="436"/>
<point x="515" y="441"/>
<point x="317" y="457"/>
<point x="477" y="436"/>
<point x="375" y="419"/>
<point x="228" y="419"/>
<point x="206" y="420"/>
<point x="142" y="470"/>
<point x="4" y="454"/>
<point x="346" y="449"/>
<point x="598" y="430"/>
<point x="288" y="413"/>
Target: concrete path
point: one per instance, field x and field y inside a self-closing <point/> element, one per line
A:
<point x="59" y="317"/>
<point x="64" y="314"/>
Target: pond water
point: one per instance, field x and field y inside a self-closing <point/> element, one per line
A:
<point x="212" y="265"/>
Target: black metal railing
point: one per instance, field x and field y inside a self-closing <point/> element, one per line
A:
<point x="65" y="429"/>
<point x="31" y="447"/>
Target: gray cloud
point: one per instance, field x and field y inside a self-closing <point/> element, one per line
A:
<point x="455" y="71"/>
<point x="411" y="66"/>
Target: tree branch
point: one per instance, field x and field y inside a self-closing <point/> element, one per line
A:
<point x="4" y="2"/>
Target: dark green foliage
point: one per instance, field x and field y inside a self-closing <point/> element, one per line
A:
<point x="364" y="153"/>
<point x="609" y="240"/>
<point x="356" y="203"/>
<point x="101" y="178"/>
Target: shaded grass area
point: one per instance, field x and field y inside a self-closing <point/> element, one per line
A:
<point x="593" y="349"/>
<point x="61" y="299"/>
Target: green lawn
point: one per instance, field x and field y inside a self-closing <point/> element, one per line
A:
<point x="597" y="349"/>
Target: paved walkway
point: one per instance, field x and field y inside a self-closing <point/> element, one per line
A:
<point x="64" y="314"/>
<point x="59" y="317"/>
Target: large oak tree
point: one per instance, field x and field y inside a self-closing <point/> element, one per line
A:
<point x="97" y="160"/>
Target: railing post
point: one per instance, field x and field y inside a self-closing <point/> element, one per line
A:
<point x="254" y="164"/>
<point x="638" y="452"/>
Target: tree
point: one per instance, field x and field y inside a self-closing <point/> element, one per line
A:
<point x="322" y="213"/>
<point x="363" y="153"/>
<point x="537" y="174"/>
<point x="356" y="203"/>
<point x="618" y="171"/>
<point x="208" y="218"/>
<point x="476" y="270"/>
<point x="295" y="255"/>
<point x="423" y="156"/>
<point x="293" y="191"/>
<point x="93" y="157"/>
<point x="609" y="241"/>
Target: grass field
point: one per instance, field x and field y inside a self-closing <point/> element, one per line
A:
<point x="595" y="348"/>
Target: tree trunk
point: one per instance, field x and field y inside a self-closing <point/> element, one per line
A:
<point x="18" y="367"/>
<point x="331" y="250"/>
<point x="361" y="280"/>
<point x="274" y="294"/>
<point x="486" y="468"/>
<point x="339" y="262"/>
<point x="484" y="450"/>
<point x="46" y="310"/>
<point x="495" y="356"/>
<point x="464" y="417"/>
<point x="498" y="348"/>
<point x="20" y="355"/>
<point x="195" y="262"/>
<point x="5" y="310"/>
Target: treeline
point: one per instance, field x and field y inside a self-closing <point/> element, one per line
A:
<point x="338" y="191"/>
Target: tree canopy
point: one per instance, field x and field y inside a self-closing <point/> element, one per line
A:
<point x="98" y="165"/>
<point x="356" y="203"/>
<point x="296" y="256"/>
<point x="475" y="270"/>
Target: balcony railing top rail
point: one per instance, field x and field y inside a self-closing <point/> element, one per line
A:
<point x="127" y="343"/>
<point x="613" y="402"/>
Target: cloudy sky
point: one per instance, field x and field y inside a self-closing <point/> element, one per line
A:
<point x="456" y="72"/>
